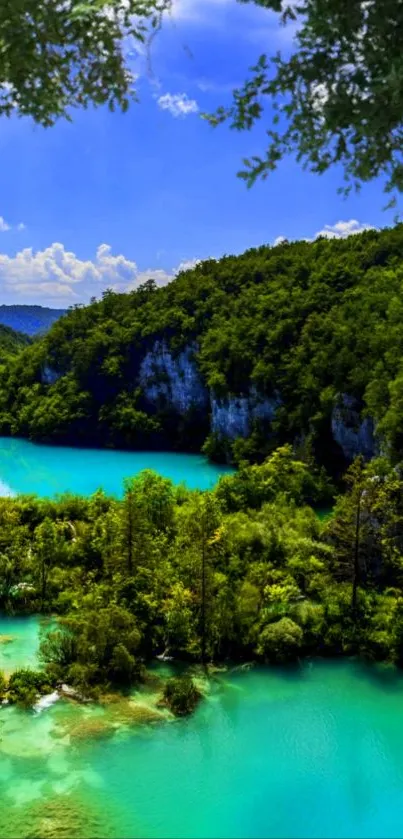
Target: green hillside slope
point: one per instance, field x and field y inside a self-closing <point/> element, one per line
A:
<point x="302" y="342"/>
<point x="11" y="341"/>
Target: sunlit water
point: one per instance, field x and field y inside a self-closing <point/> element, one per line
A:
<point x="19" y="643"/>
<point x="311" y="752"/>
<point x="49" y="470"/>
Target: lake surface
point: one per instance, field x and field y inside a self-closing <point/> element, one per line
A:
<point x="49" y="470"/>
<point x="313" y="752"/>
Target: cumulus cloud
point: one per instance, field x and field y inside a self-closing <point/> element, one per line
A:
<point x="187" y="264"/>
<point x="178" y="104"/>
<point x="342" y="229"/>
<point x="57" y="277"/>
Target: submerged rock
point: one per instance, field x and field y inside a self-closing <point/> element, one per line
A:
<point x="129" y="711"/>
<point x="91" y="728"/>
<point x="58" y="817"/>
<point x="7" y="639"/>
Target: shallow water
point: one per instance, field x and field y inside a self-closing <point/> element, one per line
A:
<point x="19" y="642"/>
<point x="48" y="470"/>
<point x="310" y="752"/>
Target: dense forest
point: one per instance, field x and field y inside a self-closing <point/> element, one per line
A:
<point x="246" y="571"/>
<point x="301" y="343"/>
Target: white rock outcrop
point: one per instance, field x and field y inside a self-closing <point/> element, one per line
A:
<point x="174" y="380"/>
<point x="354" y="435"/>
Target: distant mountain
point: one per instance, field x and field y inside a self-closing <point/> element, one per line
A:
<point x="29" y="319"/>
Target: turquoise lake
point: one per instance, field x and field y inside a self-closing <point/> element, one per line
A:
<point x="312" y="752"/>
<point x="49" y="470"/>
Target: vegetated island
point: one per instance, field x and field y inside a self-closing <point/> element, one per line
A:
<point x="244" y="572"/>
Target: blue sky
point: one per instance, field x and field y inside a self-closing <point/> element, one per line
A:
<point x="112" y="199"/>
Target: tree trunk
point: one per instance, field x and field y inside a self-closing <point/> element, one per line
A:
<point x="203" y="595"/>
<point x="356" y="566"/>
<point x="43" y="587"/>
<point x="130" y="536"/>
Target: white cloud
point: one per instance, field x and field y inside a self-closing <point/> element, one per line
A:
<point x="5" y="226"/>
<point x="342" y="229"/>
<point x="196" y="10"/>
<point x="339" y="230"/>
<point x="209" y="86"/>
<point x="258" y="25"/>
<point x="58" y="277"/>
<point x="187" y="265"/>
<point x="178" y="104"/>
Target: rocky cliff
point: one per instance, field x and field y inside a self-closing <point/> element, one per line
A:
<point x="175" y="381"/>
<point x="355" y="435"/>
<point x="233" y="416"/>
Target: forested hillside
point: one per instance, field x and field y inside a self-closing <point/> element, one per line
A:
<point x="246" y="571"/>
<point x="299" y="343"/>
<point x="11" y="342"/>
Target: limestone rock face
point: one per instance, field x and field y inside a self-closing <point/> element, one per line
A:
<point x="354" y="435"/>
<point x="173" y="380"/>
<point x="176" y="382"/>
<point x="233" y="416"/>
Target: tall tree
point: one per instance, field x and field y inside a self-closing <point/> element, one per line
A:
<point x="350" y="528"/>
<point x="203" y="532"/>
<point x="46" y="544"/>
<point x="335" y="96"/>
<point x="148" y="513"/>
<point x="131" y="522"/>
<point x="60" y="55"/>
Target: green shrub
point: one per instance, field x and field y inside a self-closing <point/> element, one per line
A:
<point x="25" y="685"/>
<point x="181" y="695"/>
<point x="280" y="641"/>
<point x="123" y="665"/>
